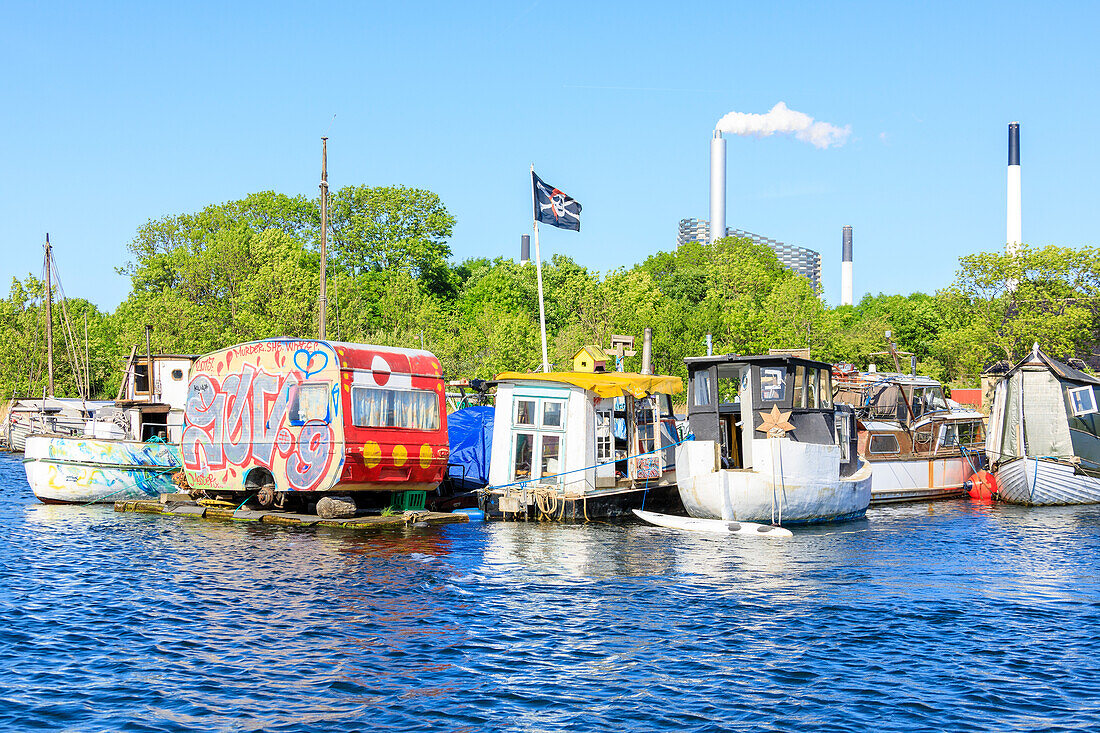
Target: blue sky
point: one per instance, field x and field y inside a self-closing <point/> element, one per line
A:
<point x="117" y="113"/>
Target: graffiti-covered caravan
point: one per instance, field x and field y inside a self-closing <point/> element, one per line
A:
<point x="315" y="416"/>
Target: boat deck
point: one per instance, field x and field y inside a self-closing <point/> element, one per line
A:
<point x="229" y="514"/>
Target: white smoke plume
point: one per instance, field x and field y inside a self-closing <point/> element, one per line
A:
<point x="783" y="120"/>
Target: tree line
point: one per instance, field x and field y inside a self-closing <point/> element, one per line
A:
<point x="249" y="269"/>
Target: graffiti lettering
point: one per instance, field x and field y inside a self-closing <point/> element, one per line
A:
<point x="240" y="423"/>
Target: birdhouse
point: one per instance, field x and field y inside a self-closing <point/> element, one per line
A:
<point x="590" y="359"/>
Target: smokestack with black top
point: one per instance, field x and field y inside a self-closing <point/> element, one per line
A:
<point x="717" y="186"/>
<point x="524" y="249"/>
<point x="1014" y="234"/>
<point x="846" y="266"/>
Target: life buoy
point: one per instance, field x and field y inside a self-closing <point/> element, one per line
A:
<point x="983" y="485"/>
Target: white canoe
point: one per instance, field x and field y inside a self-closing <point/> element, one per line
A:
<point x="713" y="526"/>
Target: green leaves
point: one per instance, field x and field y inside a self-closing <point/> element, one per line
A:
<point x="249" y="269"/>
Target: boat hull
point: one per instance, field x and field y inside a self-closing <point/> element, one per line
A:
<point x="919" y="479"/>
<point x="1043" y="482"/>
<point x="88" y="471"/>
<point x="791" y="483"/>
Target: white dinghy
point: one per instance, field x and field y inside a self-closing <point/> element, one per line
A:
<point x="713" y="526"/>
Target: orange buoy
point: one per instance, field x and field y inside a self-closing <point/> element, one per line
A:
<point x="983" y="485"/>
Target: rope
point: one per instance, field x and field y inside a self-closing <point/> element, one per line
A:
<point x="589" y="468"/>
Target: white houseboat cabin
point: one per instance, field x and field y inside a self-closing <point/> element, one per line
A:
<point x="577" y="445"/>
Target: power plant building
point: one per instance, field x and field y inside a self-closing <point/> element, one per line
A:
<point x="802" y="261"/>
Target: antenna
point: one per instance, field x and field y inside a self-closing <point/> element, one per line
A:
<point x="323" y="299"/>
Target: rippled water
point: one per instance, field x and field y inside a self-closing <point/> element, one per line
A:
<point x="951" y="616"/>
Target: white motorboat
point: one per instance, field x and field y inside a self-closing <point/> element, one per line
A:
<point x="920" y="445"/>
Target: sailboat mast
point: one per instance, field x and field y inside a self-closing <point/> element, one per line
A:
<point x="322" y="304"/>
<point x="49" y="315"/>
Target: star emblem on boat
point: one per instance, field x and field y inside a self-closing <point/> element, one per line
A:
<point x="775" y="423"/>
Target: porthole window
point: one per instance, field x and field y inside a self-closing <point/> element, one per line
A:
<point x="177" y="374"/>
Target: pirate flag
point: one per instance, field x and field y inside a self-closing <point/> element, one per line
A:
<point x="554" y="207"/>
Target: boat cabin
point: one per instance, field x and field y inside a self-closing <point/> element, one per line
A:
<point x="581" y="433"/>
<point x="147" y="407"/>
<point x="905" y="415"/>
<point x="292" y="415"/>
<point x="725" y="390"/>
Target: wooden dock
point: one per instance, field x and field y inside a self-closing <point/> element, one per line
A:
<point x="172" y="508"/>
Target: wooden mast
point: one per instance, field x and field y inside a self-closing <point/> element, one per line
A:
<point x="49" y="315"/>
<point x="322" y="304"/>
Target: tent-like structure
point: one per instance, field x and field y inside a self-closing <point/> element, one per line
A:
<point x="1044" y="408"/>
<point x="1044" y="433"/>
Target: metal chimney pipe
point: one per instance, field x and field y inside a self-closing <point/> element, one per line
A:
<point x="710" y="345"/>
<point x="647" y="351"/>
<point x="525" y="249"/>
<point x="846" y="266"/>
<point x="717" y="187"/>
<point x="1014" y="229"/>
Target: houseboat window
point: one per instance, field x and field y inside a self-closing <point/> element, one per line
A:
<point x="177" y="374"/>
<point x="524" y="445"/>
<point x="883" y="444"/>
<point x="812" y="392"/>
<point x="971" y="432"/>
<point x="646" y="423"/>
<point x="825" y="389"/>
<point x="416" y="409"/>
<point x="549" y="461"/>
<point x="773" y="383"/>
<point x="799" y="390"/>
<point x="551" y="414"/>
<point x="1082" y="401"/>
<point x="962" y="433"/>
<point x="949" y="435"/>
<point x="604" y="440"/>
<point x="702" y="388"/>
<point x="525" y="412"/>
<point x="928" y="399"/>
<point x="842" y="430"/>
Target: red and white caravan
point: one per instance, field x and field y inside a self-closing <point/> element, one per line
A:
<point x="282" y="415"/>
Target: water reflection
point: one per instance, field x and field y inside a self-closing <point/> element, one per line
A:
<point x="930" y="612"/>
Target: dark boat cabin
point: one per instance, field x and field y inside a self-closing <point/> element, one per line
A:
<point x="722" y="390"/>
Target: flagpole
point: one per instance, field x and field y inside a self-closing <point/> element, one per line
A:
<point x="538" y="274"/>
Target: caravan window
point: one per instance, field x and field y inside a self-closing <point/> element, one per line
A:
<point x="416" y="409"/>
<point x="308" y="402"/>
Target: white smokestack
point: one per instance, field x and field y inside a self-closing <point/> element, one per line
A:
<point x="783" y="120"/>
<point x="717" y="187"/>
<point x="1014" y="234"/>
<point x="846" y="266"/>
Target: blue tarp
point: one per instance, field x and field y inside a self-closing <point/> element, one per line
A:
<point x="470" y="436"/>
